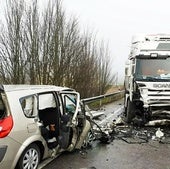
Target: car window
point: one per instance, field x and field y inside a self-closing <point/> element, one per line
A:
<point x="69" y="101"/>
<point x="29" y="106"/>
<point x="47" y="100"/>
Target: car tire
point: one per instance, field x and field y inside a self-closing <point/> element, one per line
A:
<point x="30" y="158"/>
<point x="130" y="111"/>
<point x="89" y="140"/>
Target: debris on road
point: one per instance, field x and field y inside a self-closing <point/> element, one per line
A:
<point x="158" y="122"/>
<point x="136" y="133"/>
<point x="131" y="135"/>
<point x="114" y="126"/>
<point x="119" y="121"/>
<point x="159" y="133"/>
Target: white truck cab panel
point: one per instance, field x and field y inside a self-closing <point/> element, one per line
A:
<point x="147" y="77"/>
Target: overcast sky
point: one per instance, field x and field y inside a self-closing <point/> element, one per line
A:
<point x="116" y="21"/>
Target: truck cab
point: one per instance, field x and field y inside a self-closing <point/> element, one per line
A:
<point x="147" y="78"/>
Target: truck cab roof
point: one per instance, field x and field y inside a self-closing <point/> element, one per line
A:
<point x="150" y="45"/>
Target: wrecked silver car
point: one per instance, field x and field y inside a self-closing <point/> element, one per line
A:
<point x="37" y="122"/>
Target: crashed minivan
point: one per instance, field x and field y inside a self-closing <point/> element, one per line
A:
<point x="37" y="122"/>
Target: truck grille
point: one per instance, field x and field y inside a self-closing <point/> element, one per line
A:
<point x="159" y="97"/>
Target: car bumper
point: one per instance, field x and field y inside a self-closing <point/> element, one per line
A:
<point x="3" y="149"/>
<point x="8" y="153"/>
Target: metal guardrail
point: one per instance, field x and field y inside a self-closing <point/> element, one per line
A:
<point x="92" y="99"/>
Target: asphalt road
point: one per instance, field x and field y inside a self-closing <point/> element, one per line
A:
<point x="117" y="155"/>
<point x="122" y="153"/>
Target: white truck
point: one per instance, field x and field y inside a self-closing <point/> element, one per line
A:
<point x="147" y="78"/>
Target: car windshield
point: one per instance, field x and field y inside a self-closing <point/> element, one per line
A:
<point x="152" y="69"/>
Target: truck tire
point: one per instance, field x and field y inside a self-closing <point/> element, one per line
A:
<point x="130" y="111"/>
<point x="30" y="158"/>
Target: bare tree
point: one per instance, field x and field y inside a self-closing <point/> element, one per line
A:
<point x="12" y="60"/>
<point x="105" y="79"/>
<point x="46" y="48"/>
<point x="31" y="43"/>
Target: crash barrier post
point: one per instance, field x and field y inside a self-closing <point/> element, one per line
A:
<point x="98" y="101"/>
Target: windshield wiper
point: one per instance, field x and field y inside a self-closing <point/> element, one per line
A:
<point x="157" y="78"/>
<point x="152" y="78"/>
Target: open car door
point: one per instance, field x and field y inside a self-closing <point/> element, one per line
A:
<point x="70" y="107"/>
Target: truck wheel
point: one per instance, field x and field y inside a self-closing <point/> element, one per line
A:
<point x="30" y="158"/>
<point x="130" y="111"/>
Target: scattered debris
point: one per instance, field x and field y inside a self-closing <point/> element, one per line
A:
<point x="131" y="135"/>
<point x="136" y="133"/>
<point x="119" y="121"/>
<point x="96" y="114"/>
<point x="83" y="153"/>
<point x="158" y="122"/>
<point x="159" y="133"/>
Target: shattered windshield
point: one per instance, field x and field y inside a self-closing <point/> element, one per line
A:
<point x="152" y="69"/>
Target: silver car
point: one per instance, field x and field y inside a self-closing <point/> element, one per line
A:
<point x="38" y="122"/>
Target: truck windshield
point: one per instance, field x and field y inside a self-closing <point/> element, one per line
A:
<point x="152" y="69"/>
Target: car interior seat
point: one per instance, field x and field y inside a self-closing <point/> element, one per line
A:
<point x="50" y="129"/>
